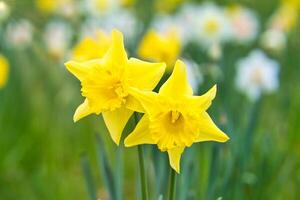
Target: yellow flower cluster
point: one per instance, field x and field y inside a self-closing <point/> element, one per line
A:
<point x="4" y="69"/>
<point x="116" y="86"/>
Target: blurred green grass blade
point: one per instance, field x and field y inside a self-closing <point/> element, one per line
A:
<point x="248" y="140"/>
<point x="88" y="177"/>
<point x="161" y="167"/>
<point x="187" y="175"/>
<point x="119" y="173"/>
<point x="105" y="169"/>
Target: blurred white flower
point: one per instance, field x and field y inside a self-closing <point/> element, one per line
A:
<point x="4" y="11"/>
<point x="212" y="25"/>
<point x="57" y="38"/>
<point x="195" y="76"/>
<point x="274" y="40"/>
<point x="67" y="8"/>
<point x="163" y="23"/>
<point x="19" y="33"/>
<point x="186" y="18"/>
<point x="257" y="74"/>
<point x="121" y="19"/>
<point x="215" y="51"/>
<point x="100" y="7"/>
<point x="244" y="23"/>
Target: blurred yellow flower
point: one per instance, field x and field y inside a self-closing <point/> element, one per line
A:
<point x="175" y="119"/>
<point x="105" y="83"/>
<point x="47" y="6"/>
<point x="161" y="48"/>
<point x="127" y="3"/>
<point x="292" y="3"/>
<point x="167" y="5"/>
<point x="91" y="48"/>
<point x="50" y="6"/>
<point x="4" y="69"/>
<point x="286" y="17"/>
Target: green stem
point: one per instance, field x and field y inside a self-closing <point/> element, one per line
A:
<point x="142" y="173"/>
<point x="172" y="184"/>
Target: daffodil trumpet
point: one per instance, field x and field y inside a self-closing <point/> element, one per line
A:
<point x="174" y="118"/>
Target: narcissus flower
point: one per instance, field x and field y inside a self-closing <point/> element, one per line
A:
<point x="244" y="23"/>
<point x="92" y="47"/>
<point x="161" y="47"/>
<point x="19" y="33"/>
<point x="212" y="25"/>
<point x="4" y="68"/>
<point x="57" y="38"/>
<point x="257" y="74"/>
<point x="106" y="81"/>
<point x="175" y="119"/>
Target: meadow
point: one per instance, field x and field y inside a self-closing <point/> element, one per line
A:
<point x="250" y="49"/>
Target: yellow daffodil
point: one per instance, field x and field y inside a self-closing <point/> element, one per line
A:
<point x="47" y="6"/>
<point x="91" y="48"/>
<point x="175" y="119"/>
<point x="106" y="81"/>
<point x="127" y="3"/>
<point x="161" y="48"/>
<point x="293" y="3"/>
<point x="167" y="5"/>
<point x="286" y="17"/>
<point x="4" y="69"/>
<point x="51" y="6"/>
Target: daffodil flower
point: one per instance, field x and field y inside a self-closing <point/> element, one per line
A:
<point x="161" y="47"/>
<point x="106" y="81"/>
<point x="175" y="119"/>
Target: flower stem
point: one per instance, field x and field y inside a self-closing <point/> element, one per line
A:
<point x="142" y="173"/>
<point x="172" y="184"/>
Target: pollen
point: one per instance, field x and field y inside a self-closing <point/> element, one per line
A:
<point x="175" y="115"/>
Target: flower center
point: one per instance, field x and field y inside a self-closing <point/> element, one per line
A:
<point x="211" y="26"/>
<point x="175" y="115"/>
<point x="257" y="76"/>
<point x="119" y="90"/>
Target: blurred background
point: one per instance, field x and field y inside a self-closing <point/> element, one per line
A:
<point x="250" y="48"/>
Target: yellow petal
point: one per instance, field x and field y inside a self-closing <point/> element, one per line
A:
<point x="134" y="105"/>
<point x="115" y="122"/>
<point x="4" y="71"/>
<point x="161" y="47"/>
<point x="177" y="85"/>
<point x="145" y="75"/>
<point x="209" y="131"/>
<point x="148" y="99"/>
<point x="204" y="101"/>
<point x="82" y="69"/>
<point x="116" y="55"/>
<point x="82" y="111"/>
<point x="174" y="158"/>
<point x="141" y="134"/>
